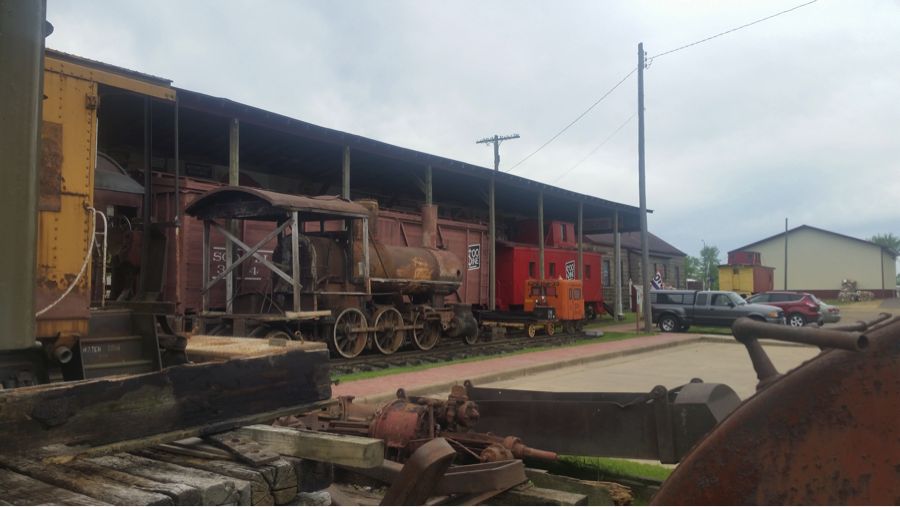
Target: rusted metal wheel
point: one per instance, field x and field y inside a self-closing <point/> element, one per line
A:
<point x="471" y="339"/>
<point x="568" y="327"/>
<point x="388" y="339"/>
<point x="278" y="333"/>
<point x="531" y="329"/>
<point x="550" y="328"/>
<point x="579" y="326"/>
<point x="345" y="339"/>
<point x="425" y="339"/>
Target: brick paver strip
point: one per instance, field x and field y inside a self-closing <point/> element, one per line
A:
<point x="440" y="378"/>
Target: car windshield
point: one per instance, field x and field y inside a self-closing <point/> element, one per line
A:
<point x="753" y="299"/>
<point x="737" y="300"/>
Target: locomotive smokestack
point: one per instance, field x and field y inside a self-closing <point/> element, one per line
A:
<point x="429" y="225"/>
<point x="372" y="206"/>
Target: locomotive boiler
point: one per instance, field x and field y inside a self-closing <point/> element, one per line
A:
<point x="332" y="280"/>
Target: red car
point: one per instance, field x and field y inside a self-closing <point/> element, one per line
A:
<point x="799" y="308"/>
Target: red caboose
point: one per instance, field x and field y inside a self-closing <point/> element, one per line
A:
<point x="517" y="261"/>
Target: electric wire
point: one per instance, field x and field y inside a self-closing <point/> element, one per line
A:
<point x="649" y="62"/>
<point x="575" y="120"/>
<point x="595" y="149"/>
<point x="732" y="30"/>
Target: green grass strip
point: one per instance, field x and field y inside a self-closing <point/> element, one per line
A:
<point x="607" y="337"/>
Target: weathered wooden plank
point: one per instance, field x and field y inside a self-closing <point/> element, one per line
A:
<point x="16" y="489"/>
<point x="339" y="449"/>
<point x="101" y="488"/>
<point x="536" y="496"/>
<point x="244" y="448"/>
<point x="214" y="489"/>
<point x="63" y="454"/>
<point x="598" y="493"/>
<point x="267" y="482"/>
<point x="311" y="475"/>
<point x="179" y="493"/>
<point x="114" y="409"/>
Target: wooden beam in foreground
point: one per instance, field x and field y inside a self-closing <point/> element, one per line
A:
<point x="339" y="449"/>
<point x="172" y="404"/>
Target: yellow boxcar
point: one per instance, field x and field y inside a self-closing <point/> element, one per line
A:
<point x="68" y="160"/>
<point x="745" y="279"/>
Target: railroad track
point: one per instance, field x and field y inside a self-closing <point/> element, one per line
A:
<point x="442" y="353"/>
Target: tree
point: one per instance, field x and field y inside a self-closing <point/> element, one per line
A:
<point x="709" y="265"/>
<point x="887" y="239"/>
<point x="692" y="267"/>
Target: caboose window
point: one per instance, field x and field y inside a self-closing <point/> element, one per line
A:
<point x="552" y="269"/>
<point x="530" y="270"/>
<point x="587" y="271"/>
<point x="577" y="294"/>
<point x="562" y="231"/>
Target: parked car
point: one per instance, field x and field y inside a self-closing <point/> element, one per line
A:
<point x="830" y="313"/>
<point x="799" y="307"/>
<point x="678" y="310"/>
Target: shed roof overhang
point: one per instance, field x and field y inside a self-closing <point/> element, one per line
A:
<point x="324" y="143"/>
<point x="255" y="204"/>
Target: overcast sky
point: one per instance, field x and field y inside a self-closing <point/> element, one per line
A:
<point x="795" y="117"/>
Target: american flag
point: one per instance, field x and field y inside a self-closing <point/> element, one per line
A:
<point x="657" y="281"/>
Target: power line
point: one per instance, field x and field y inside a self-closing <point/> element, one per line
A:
<point x="576" y="119"/>
<point x="595" y="149"/>
<point x="733" y="29"/>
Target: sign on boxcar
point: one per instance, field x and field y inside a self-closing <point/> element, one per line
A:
<point x="570" y="270"/>
<point x="474" y="256"/>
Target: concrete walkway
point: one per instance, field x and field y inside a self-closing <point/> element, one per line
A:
<point x="442" y="378"/>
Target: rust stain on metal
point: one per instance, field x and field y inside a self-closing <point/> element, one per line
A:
<point x="823" y="433"/>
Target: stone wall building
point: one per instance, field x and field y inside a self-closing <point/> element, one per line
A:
<point x="663" y="257"/>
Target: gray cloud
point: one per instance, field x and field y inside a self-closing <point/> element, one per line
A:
<point x="794" y="117"/>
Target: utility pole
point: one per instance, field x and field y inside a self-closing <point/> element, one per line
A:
<point x="496" y="140"/>
<point x="785" y="252"/>
<point x="645" y="247"/>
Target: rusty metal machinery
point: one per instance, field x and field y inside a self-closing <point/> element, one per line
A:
<point x="409" y="422"/>
<point x="662" y="424"/>
<point x="824" y="433"/>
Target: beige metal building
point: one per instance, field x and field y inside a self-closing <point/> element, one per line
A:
<point x="818" y="260"/>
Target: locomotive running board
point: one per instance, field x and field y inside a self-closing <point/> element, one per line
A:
<point x="662" y="424"/>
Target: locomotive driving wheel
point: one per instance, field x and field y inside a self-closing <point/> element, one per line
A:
<point x="387" y="337"/>
<point x="427" y="337"/>
<point x="344" y="339"/>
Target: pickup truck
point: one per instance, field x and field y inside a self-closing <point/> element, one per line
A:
<point x="678" y="310"/>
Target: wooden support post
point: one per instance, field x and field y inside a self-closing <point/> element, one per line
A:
<point x="233" y="180"/>
<point x="617" y="258"/>
<point x="206" y="253"/>
<point x="428" y="187"/>
<point x="581" y="241"/>
<point x="295" y="258"/>
<point x="128" y="412"/>
<point x="365" y="245"/>
<point x="541" y="233"/>
<point x="493" y="256"/>
<point x="345" y="180"/>
<point x="339" y="449"/>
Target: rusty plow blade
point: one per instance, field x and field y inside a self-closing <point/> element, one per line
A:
<point x="824" y="433"/>
<point x="662" y="424"/>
